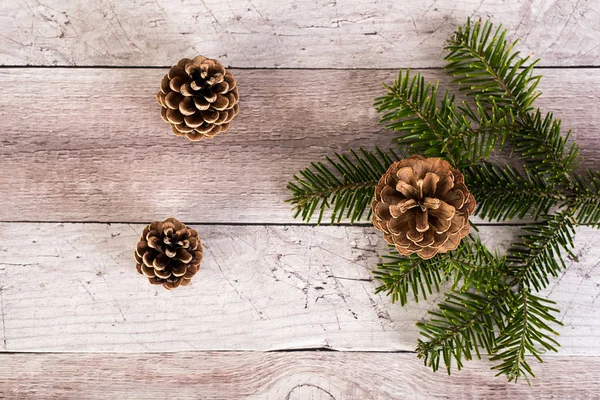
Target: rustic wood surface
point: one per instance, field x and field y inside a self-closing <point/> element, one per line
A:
<point x="81" y="142"/>
<point x="260" y="288"/>
<point x="291" y="34"/>
<point x="293" y="376"/>
<point x="92" y="146"/>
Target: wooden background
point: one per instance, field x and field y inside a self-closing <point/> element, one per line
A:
<point x="280" y="310"/>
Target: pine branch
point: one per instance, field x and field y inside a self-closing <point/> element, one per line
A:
<point x="486" y="67"/>
<point x="459" y="134"/>
<point x="542" y="147"/>
<point x="344" y="184"/>
<point x="410" y="107"/>
<point x="484" y="64"/>
<point x="400" y="275"/>
<point x="468" y="318"/>
<point x="538" y="255"/>
<point x="475" y="267"/>
<point x="503" y="193"/>
<point x="525" y="333"/>
<point x="475" y="144"/>
<point x="586" y="198"/>
<point x="464" y="325"/>
<point x="469" y="266"/>
<point x="467" y="322"/>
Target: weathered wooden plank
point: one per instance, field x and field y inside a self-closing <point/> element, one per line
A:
<point x="263" y="33"/>
<point x="73" y="287"/>
<point x="89" y="144"/>
<point x="298" y="375"/>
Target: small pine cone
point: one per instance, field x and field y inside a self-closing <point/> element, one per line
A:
<point x="198" y="98"/>
<point x="422" y="206"/>
<point x="168" y="253"/>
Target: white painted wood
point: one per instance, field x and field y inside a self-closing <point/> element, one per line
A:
<point x="290" y="34"/>
<point x="89" y="144"/>
<point x="298" y="375"/>
<point x="74" y="288"/>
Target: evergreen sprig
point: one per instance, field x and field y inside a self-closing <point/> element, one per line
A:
<point x="484" y="65"/>
<point x="461" y="134"/>
<point x="343" y="184"/>
<point x="401" y="276"/>
<point x="467" y="267"/>
<point x="537" y="257"/>
<point x="527" y="331"/>
<point x="539" y="142"/>
<point x="586" y="198"/>
<point x="504" y="193"/>
<point x="490" y="303"/>
<point x="464" y="325"/>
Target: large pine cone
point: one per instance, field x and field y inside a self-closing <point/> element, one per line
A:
<point x="198" y="97"/>
<point x="168" y="253"/>
<point x="422" y="206"/>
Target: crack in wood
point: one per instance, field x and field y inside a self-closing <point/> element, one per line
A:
<point x="308" y="385"/>
<point x="3" y="319"/>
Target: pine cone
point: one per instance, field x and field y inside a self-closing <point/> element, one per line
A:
<point x="168" y="253"/>
<point x="422" y="206"/>
<point x="198" y="97"/>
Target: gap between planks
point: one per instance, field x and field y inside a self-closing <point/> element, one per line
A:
<point x="298" y="223"/>
<point x="166" y="67"/>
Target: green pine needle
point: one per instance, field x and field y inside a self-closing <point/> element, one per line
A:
<point x="484" y="65"/>
<point x="468" y="267"/>
<point x="527" y="331"/>
<point x="542" y="147"/>
<point x="538" y="255"/>
<point x="586" y="198"/>
<point x="343" y="184"/>
<point x="400" y="276"/>
<point x="463" y="326"/>
<point x="503" y="193"/>
<point x="460" y="134"/>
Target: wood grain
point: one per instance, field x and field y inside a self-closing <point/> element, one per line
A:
<point x="89" y="144"/>
<point x="73" y="287"/>
<point x="264" y="33"/>
<point x="298" y="375"/>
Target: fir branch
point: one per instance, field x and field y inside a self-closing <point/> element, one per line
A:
<point x="538" y="255"/>
<point x="475" y="267"/>
<point x="503" y="193"/>
<point x="525" y="333"/>
<point x="465" y="324"/>
<point x="461" y="135"/>
<point x="344" y="184"/>
<point x="468" y="318"/>
<point x="410" y="107"/>
<point x="543" y="148"/>
<point x="586" y="198"/>
<point x="475" y="144"/>
<point x="485" y="66"/>
<point x="490" y="306"/>
<point x="400" y="275"/>
<point x="469" y="266"/>
<point x="467" y="321"/>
